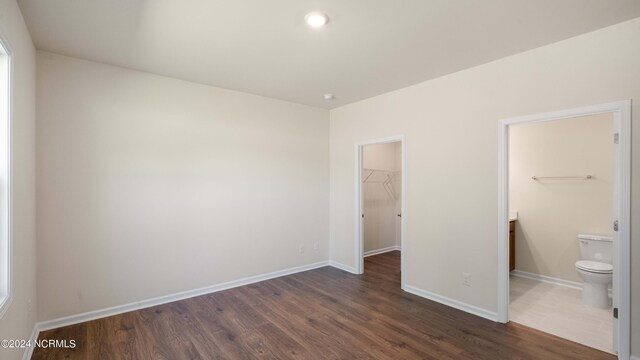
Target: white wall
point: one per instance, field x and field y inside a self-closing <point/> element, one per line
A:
<point x="551" y="213"/>
<point x="451" y="129"/>
<point x="149" y="186"/>
<point x="20" y="317"/>
<point x="380" y="205"/>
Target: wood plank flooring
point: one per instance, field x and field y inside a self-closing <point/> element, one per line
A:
<point x="319" y="314"/>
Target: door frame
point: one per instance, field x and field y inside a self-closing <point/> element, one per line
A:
<point x="621" y="111"/>
<point x="359" y="230"/>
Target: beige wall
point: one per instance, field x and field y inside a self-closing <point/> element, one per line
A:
<point x="149" y="186"/>
<point x="381" y="156"/>
<point x="380" y="205"/>
<point x="551" y="213"/>
<point x="20" y="317"/>
<point x="451" y="129"/>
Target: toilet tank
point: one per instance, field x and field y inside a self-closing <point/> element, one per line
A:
<point x="596" y="248"/>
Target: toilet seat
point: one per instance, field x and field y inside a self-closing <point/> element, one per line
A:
<point x="594" y="267"/>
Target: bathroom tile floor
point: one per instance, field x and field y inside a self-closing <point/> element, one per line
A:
<point x="557" y="310"/>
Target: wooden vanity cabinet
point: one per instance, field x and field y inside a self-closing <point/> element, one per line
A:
<point x="512" y="245"/>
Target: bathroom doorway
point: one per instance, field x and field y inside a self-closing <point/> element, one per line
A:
<point x="564" y="189"/>
<point x="379" y="203"/>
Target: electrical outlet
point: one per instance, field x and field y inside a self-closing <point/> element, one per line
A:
<point x="466" y="279"/>
<point x="316" y="245"/>
<point x="301" y="249"/>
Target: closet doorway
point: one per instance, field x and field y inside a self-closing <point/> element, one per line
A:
<point x="379" y="204"/>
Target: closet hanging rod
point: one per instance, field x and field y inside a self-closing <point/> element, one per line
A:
<point x="371" y="171"/>
<point x="586" y="177"/>
<point x="381" y="170"/>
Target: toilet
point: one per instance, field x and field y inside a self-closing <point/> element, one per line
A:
<point x="595" y="269"/>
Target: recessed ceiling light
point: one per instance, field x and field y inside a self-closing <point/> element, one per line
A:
<point x="316" y="19"/>
<point x="329" y="97"/>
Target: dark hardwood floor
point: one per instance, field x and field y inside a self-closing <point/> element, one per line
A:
<point x="319" y="314"/>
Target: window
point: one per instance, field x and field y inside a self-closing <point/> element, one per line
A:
<point x="5" y="246"/>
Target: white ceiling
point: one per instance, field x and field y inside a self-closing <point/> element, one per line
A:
<point x="264" y="47"/>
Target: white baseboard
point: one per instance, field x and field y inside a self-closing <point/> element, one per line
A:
<point x="452" y="303"/>
<point x="381" y="251"/>
<point x="634" y="357"/>
<point x="344" y="267"/>
<point x="34" y="336"/>
<point x="547" y="279"/>
<point x="97" y="314"/>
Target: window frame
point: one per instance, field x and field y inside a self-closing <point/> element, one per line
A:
<point x="6" y="264"/>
